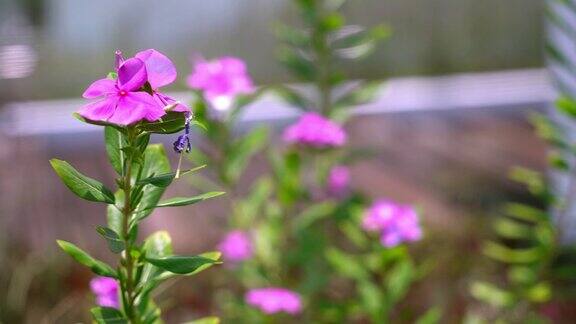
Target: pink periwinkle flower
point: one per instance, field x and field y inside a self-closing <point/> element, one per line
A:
<point x="124" y="101"/>
<point x="236" y="246"/>
<point x="274" y="300"/>
<point x="338" y="180"/>
<point x="221" y="80"/>
<point x="106" y="291"/>
<point x="314" y="130"/>
<point x="396" y="223"/>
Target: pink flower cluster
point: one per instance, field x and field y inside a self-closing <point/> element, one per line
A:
<point x="338" y="180"/>
<point x="274" y="300"/>
<point x="312" y="129"/>
<point x="221" y="80"/>
<point x="396" y="223"/>
<point x="124" y="101"/>
<point x="106" y="291"/>
<point x="236" y="246"/>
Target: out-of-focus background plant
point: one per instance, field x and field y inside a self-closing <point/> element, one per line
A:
<point x="441" y="134"/>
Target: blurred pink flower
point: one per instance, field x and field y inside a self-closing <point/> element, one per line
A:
<point x="236" y="246"/>
<point x="106" y="291"/>
<point x="396" y="223"/>
<point x="314" y="130"/>
<point x="274" y="300"/>
<point x="221" y="80"/>
<point x="338" y="180"/>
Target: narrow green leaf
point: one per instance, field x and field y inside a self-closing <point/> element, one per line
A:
<point x="155" y="163"/>
<point x="399" y="279"/>
<point x="166" y="179"/>
<point x="181" y="201"/>
<point x="182" y="264"/>
<point x="205" y="320"/>
<point x="514" y="256"/>
<point x="107" y="315"/>
<point x="115" y="141"/>
<point x="432" y="316"/>
<point x="567" y="106"/>
<point x="115" y="244"/>
<point x="346" y="265"/>
<point x="114" y="215"/>
<point x="491" y="294"/>
<point x="83" y="186"/>
<point x="98" y="267"/>
<point x="293" y="98"/>
<point x="170" y="123"/>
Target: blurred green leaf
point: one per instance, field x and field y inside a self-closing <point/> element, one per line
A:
<point x="567" y="106"/>
<point x="83" y="186"/>
<point x="107" y="315"/>
<point x="539" y="293"/>
<point x="363" y="93"/>
<point x="205" y="320"/>
<point x="432" y="316"/>
<point x="299" y="65"/>
<point x="355" y="42"/>
<point x="491" y="294"/>
<point x="243" y="149"/>
<point x="508" y="255"/>
<point x="372" y="299"/>
<point x="512" y="229"/>
<point x="522" y="275"/>
<point x="115" y="244"/>
<point x="525" y="213"/>
<point x="346" y="265"/>
<point x="182" y="201"/>
<point x="398" y="280"/>
<point x="313" y="214"/>
<point x="293" y="98"/>
<point x="98" y="267"/>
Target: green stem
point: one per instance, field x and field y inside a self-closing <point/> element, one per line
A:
<point x="128" y="261"/>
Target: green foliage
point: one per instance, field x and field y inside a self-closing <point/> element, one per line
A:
<point x="144" y="173"/>
<point x="98" y="267"/>
<point x="81" y="185"/>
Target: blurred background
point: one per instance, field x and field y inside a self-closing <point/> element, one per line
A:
<point x="447" y="127"/>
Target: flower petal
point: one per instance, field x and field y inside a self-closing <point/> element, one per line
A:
<point x="99" y="88"/>
<point x="161" y="70"/>
<point x="164" y="100"/>
<point x="99" y="110"/>
<point x="135" y="107"/>
<point x="132" y="74"/>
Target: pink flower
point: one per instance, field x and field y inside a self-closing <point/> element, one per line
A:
<point x="161" y="72"/>
<point x="122" y="103"/>
<point x="221" y="80"/>
<point x="396" y="223"/>
<point x="106" y="291"/>
<point x="315" y="130"/>
<point x="338" y="180"/>
<point x="274" y="300"/>
<point x="236" y="246"/>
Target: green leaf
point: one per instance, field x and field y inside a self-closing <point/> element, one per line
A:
<point x="297" y="64"/>
<point x="155" y="163"/>
<point x="107" y="315"/>
<point x="181" y="201"/>
<point x="364" y="93"/>
<point x="293" y="98"/>
<point x="243" y="149"/>
<point x="567" y="106"/>
<point x="313" y="214"/>
<point x="83" y="186"/>
<point x="525" y="213"/>
<point x="432" y="316"/>
<point x="115" y="141"/>
<point x="508" y="255"/>
<point x="115" y="244"/>
<point x="491" y="294"/>
<point x="98" y="267"/>
<point x="205" y="320"/>
<point x="399" y="279"/>
<point x="355" y="42"/>
<point x="539" y="293"/>
<point x="114" y="215"/>
<point x="373" y="300"/>
<point x="346" y="265"/>
<point x="166" y="179"/>
<point x="512" y="229"/>
<point x="170" y="123"/>
<point x="157" y="245"/>
<point x="182" y="264"/>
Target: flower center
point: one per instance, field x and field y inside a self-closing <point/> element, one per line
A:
<point x="122" y="93"/>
